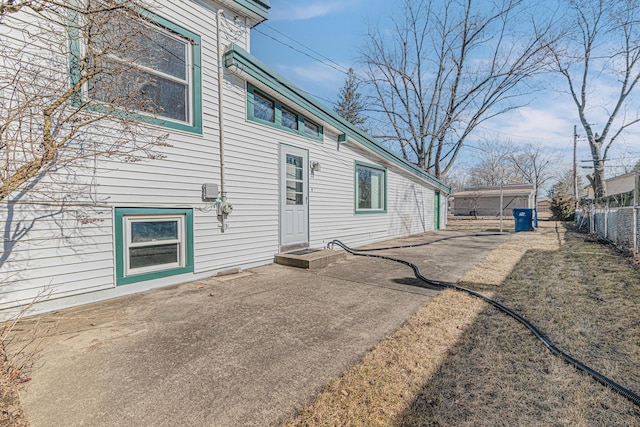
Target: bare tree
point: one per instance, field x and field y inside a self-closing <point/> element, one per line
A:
<point x="459" y="176"/>
<point x="534" y="165"/>
<point x="600" y="43"/>
<point x="72" y="90"/>
<point x="494" y="166"/>
<point x="446" y="67"/>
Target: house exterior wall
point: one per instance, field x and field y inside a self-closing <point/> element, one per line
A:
<point x="65" y="252"/>
<point x="618" y="185"/>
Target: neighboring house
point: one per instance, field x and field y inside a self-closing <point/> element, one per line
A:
<point x="296" y="175"/>
<point x="485" y="201"/>
<point x="618" y="188"/>
<point x="544" y="206"/>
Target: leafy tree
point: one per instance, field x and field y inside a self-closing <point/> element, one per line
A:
<point x="563" y="203"/>
<point x="350" y="104"/>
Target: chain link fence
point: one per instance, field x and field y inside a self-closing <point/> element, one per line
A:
<point x="618" y="225"/>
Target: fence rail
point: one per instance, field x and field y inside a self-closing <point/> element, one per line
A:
<point x="618" y="225"/>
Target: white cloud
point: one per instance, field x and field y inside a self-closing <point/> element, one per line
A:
<point x="550" y="124"/>
<point x="297" y="12"/>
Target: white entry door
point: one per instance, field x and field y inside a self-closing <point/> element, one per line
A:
<point x="294" y="200"/>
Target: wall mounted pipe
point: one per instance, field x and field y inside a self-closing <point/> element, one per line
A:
<point x="223" y="191"/>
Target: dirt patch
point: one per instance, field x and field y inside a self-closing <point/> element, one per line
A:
<point x="11" y="413"/>
<point x="20" y="344"/>
<point x="459" y="361"/>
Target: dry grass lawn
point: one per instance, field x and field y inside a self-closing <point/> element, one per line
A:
<point x="460" y="362"/>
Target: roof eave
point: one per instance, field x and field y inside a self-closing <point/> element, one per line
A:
<point x="256" y="10"/>
<point x="241" y="62"/>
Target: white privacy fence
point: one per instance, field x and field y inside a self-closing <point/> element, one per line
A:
<point x="618" y="225"/>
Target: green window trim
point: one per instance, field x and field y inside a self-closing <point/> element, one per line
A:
<point x="383" y="193"/>
<point x="195" y="123"/>
<point x="277" y="123"/>
<point x="120" y="214"/>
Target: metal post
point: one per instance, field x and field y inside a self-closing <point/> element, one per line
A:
<point x="606" y="222"/>
<point x="501" y="201"/>
<point x="635" y="230"/>
<point x="636" y="202"/>
<point x="575" y="164"/>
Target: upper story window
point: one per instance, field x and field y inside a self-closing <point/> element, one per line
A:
<point x="149" y="69"/>
<point x="263" y="109"/>
<point x="311" y="128"/>
<point x="289" y="119"/>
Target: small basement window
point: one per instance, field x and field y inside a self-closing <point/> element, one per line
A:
<point x="153" y="243"/>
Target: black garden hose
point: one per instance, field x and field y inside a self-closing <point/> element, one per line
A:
<point x="630" y="395"/>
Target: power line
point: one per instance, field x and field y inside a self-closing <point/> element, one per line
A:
<point x="300" y="51"/>
<point x="307" y="47"/>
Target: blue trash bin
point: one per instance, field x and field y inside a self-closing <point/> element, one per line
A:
<point x="523" y="219"/>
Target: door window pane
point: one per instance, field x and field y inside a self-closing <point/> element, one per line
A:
<point x="294" y="198"/>
<point x="295" y="180"/>
<point x="294" y="186"/>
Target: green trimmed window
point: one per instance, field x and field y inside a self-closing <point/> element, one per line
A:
<point x="152" y="243"/>
<point x="371" y="188"/>
<point x="154" y="73"/>
<point x="265" y="110"/>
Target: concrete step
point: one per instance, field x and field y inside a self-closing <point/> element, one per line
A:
<point x="310" y="259"/>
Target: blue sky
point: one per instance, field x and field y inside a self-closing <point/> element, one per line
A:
<point x="336" y="30"/>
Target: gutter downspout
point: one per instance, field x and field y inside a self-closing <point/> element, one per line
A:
<point x="223" y="193"/>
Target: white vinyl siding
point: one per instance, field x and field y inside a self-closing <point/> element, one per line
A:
<point x="71" y="251"/>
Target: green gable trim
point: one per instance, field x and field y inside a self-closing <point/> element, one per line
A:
<point x="258" y="7"/>
<point x="119" y="215"/>
<point x="242" y="61"/>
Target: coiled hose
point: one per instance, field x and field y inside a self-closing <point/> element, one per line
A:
<point x="628" y="394"/>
